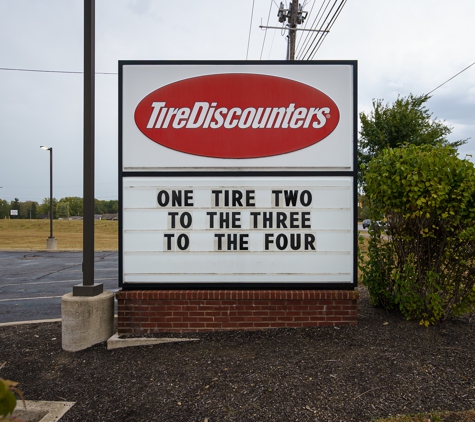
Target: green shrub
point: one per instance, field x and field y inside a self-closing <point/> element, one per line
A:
<point x="8" y="400"/>
<point x="424" y="261"/>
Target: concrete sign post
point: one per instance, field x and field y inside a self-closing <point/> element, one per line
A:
<point x="237" y="176"/>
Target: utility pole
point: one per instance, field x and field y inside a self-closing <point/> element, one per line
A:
<point x="292" y="28"/>
<point x="295" y="15"/>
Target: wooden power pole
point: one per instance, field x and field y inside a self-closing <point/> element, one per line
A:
<point x="294" y="15"/>
<point x="293" y="28"/>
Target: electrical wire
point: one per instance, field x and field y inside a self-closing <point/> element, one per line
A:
<point x="332" y="22"/>
<point x="250" y="27"/>
<point x="306" y="22"/>
<point x="324" y="29"/>
<point x="265" y="35"/>
<point x="318" y="35"/>
<point x="53" y="71"/>
<point x="448" y="80"/>
<point x="314" y="26"/>
<point x="316" y="21"/>
<point x="271" y="45"/>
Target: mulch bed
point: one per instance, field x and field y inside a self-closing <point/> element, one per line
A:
<point x="384" y="366"/>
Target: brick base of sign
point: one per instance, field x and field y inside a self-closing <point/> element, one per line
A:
<point x="154" y="311"/>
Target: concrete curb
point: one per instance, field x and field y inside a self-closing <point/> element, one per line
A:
<point x="42" y="411"/>
<point x="116" y="343"/>
<point x="38" y="321"/>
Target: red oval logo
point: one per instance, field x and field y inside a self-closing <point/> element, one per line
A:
<point x="237" y="116"/>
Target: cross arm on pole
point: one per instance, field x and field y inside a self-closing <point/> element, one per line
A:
<point x="293" y="29"/>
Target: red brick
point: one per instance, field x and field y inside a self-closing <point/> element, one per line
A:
<point x="333" y="318"/>
<point x="333" y="308"/>
<point x="261" y="314"/>
<point x="207" y="310"/>
<point x="252" y="318"/>
<point x="301" y="319"/>
<point x="142" y="319"/>
<point x="180" y="314"/>
<point x="213" y="325"/>
<point x="318" y="318"/>
<point x="268" y="318"/>
<point x="212" y="313"/>
<point x="276" y="324"/>
<point x="229" y="325"/>
<point x="221" y="319"/>
<point x="204" y="319"/>
<point x="173" y="319"/>
<point x="190" y="308"/>
<point x="325" y="324"/>
<point x="180" y="325"/>
<point x="308" y="324"/>
<point x="261" y="325"/>
<point x="157" y="320"/>
<point x="285" y="319"/>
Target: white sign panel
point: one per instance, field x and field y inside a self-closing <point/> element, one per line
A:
<point x="228" y="117"/>
<point x="212" y="230"/>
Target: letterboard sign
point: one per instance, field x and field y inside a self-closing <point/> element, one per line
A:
<point x="237" y="175"/>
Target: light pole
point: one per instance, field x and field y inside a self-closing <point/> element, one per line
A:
<point x="51" y="241"/>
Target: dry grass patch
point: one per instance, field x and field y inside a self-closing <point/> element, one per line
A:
<point x="468" y="416"/>
<point x="32" y="234"/>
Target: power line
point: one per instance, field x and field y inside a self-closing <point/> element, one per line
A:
<point x="329" y="27"/>
<point x="448" y="80"/>
<point x="311" y="47"/>
<point x="305" y="26"/>
<point x="265" y="35"/>
<point x="309" y="41"/>
<point x="250" y="27"/>
<point x="53" y="71"/>
<point x="319" y="37"/>
<point x="271" y="45"/>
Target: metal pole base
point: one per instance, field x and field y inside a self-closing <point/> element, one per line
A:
<point x="88" y="289"/>
<point x="51" y="243"/>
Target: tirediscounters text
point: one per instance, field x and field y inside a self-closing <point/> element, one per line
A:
<point x="237" y="224"/>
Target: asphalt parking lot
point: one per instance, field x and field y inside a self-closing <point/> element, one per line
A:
<point x="32" y="283"/>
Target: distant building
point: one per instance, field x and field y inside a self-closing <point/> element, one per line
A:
<point x="110" y="216"/>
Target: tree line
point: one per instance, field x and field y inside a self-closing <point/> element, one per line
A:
<point x="64" y="208"/>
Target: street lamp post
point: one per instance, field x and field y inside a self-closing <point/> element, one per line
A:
<point x="51" y="242"/>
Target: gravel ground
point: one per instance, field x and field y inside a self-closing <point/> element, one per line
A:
<point x="384" y="366"/>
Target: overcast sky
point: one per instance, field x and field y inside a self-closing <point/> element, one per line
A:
<point x="402" y="47"/>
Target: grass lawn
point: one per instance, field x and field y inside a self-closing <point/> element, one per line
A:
<point x="32" y="234"/>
